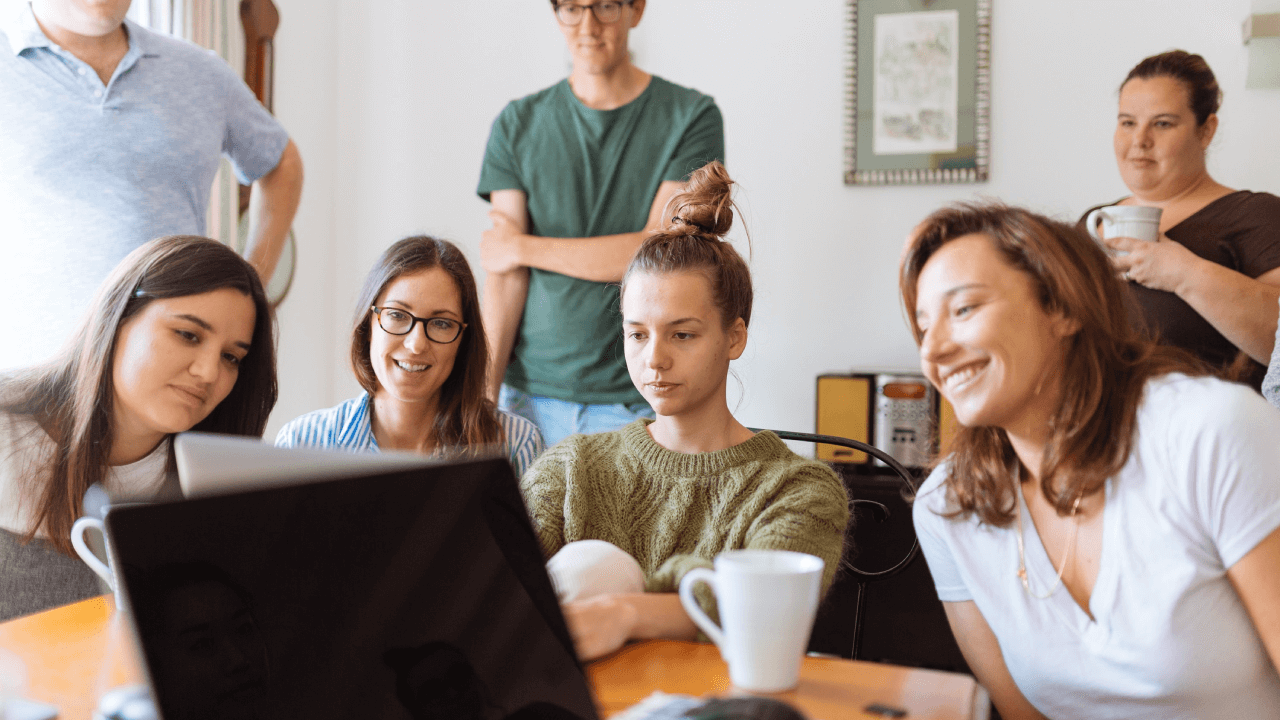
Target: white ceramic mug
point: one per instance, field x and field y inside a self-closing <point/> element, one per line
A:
<point x="767" y="601"/>
<point x="104" y="570"/>
<point x="1134" y="221"/>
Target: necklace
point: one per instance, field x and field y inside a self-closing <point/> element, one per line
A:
<point x="1022" y="553"/>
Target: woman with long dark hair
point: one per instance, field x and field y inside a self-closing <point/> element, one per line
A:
<point x="179" y="337"/>
<point x="1105" y="533"/>
<point x="418" y="349"/>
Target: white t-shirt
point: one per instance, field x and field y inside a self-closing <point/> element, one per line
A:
<point x="1170" y="637"/>
<point x="25" y="448"/>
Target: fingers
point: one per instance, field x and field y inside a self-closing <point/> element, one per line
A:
<point x="1124" y="244"/>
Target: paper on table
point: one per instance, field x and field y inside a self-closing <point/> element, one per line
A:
<point x="660" y="706"/>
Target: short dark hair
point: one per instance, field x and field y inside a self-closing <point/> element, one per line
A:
<point x="1204" y="95"/>
<point x="466" y="418"/>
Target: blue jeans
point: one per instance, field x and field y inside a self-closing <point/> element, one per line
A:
<point x="558" y="419"/>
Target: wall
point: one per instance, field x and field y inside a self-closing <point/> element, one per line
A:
<point x="390" y="102"/>
<point x="306" y="101"/>
<point x="394" y="145"/>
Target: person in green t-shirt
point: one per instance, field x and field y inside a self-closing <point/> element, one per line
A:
<point x="577" y="175"/>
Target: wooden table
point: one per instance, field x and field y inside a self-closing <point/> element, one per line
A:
<point x="829" y="688"/>
<point x="74" y="653"/>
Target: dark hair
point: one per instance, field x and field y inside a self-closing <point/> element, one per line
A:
<point x="1203" y="93"/>
<point x="1107" y="362"/>
<point x="694" y="242"/>
<point x="466" y="418"/>
<point x="72" y="396"/>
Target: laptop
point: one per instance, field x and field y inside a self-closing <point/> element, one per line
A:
<point x="211" y="464"/>
<point x="387" y="593"/>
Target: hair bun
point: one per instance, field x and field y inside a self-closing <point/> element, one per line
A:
<point x="705" y="206"/>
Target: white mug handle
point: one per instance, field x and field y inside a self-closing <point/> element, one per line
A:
<point x="691" y="606"/>
<point x="1091" y="222"/>
<point x="82" y="548"/>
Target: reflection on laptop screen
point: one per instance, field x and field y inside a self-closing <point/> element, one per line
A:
<point x="410" y="594"/>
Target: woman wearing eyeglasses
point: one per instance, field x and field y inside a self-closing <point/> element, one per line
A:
<point x="418" y="349"/>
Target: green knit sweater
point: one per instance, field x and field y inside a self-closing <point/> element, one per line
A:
<point x="674" y="511"/>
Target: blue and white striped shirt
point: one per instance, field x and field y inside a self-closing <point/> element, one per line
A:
<point x="347" y="426"/>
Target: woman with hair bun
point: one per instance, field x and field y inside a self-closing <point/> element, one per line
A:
<point x="1210" y="285"/>
<point x="624" y="515"/>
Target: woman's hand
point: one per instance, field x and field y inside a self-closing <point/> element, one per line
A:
<point x="1164" y="265"/>
<point x="600" y="624"/>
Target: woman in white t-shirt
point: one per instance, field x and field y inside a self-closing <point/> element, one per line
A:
<point x="179" y="337"/>
<point x="1103" y="533"/>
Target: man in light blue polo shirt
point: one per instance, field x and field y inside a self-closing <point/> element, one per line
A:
<point x="110" y="135"/>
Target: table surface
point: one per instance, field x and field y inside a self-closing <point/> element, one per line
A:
<point x="76" y="652"/>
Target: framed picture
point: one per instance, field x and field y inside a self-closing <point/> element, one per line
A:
<point x="919" y="92"/>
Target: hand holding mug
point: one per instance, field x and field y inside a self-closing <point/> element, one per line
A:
<point x="1131" y="221"/>
<point x="1163" y="265"/>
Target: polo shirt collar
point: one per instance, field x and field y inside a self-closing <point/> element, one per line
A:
<point x="24" y="32"/>
<point x="141" y="40"/>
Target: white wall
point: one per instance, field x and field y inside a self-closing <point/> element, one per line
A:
<point x="391" y="101"/>
<point x="306" y="101"/>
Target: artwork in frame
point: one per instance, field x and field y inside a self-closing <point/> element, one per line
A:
<point x="919" y="92"/>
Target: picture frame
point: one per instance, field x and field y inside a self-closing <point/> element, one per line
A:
<point x="918" y="92"/>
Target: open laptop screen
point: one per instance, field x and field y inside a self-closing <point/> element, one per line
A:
<point x="411" y="594"/>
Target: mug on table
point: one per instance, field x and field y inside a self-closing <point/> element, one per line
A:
<point x="767" y="601"/>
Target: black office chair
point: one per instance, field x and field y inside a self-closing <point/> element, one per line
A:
<point x="831" y="629"/>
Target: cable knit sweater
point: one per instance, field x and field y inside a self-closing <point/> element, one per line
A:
<point x="675" y="511"/>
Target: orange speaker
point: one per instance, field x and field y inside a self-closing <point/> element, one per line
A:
<point x="948" y="426"/>
<point x="899" y="413"/>
<point x="844" y="409"/>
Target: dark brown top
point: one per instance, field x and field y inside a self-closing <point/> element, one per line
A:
<point x="1240" y="231"/>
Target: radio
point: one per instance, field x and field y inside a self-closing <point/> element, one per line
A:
<point x="897" y="412"/>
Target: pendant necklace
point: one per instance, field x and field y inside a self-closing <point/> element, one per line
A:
<point x="1022" y="554"/>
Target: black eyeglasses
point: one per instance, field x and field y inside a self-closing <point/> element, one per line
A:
<point x="606" y="12"/>
<point x="441" y="330"/>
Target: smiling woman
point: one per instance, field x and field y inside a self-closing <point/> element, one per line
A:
<point x="179" y="337"/>
<point x="1104" y="533"/>
<point x="418" y="349"/>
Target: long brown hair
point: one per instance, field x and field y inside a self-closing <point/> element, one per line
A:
<point x="466" y="419"/>
<point x="72" y="396"/>
<point x="694" y="242"/>
<point x="1105" y="368"/>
